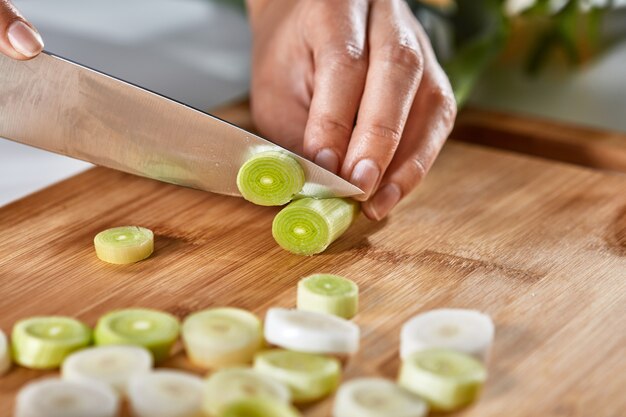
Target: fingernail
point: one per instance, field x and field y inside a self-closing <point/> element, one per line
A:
<point x="365" y="176"/>
<point x="385" y="200"/>
<point x="327" y="159"/>
<point x="24" y="39"/>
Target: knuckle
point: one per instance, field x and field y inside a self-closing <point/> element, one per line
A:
<point x="381" y="132"/>
<point x="404" y="54"/>
<point x="416" y="173"/>
<point x="346" y="55"/>
<point x="332" y="125"/>
<point x="444" y="100"/>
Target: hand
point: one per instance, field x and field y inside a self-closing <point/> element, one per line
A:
<point x="353" y="85"/>
<point x="18" y="38"/>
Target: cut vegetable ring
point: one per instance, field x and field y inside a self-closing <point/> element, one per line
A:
<point x="307" y="331"/>
<point x="165" y="394"/>
<point x="220" y="337"/>
<point x="44" y="342"/>
<point x="446" y="379"/>
<point x="327" y="293"/>
<point x="309" y="377"/>
<point x="270" y="178"/>
<point x="5" y="354"/>
<point x="155" y="330"/>
<point x="124" y="245"/>
<point x="259" y="407"/>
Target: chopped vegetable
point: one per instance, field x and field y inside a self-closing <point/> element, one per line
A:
<point x="331" y="294"/>
<point x="53" y="397"/>
<point x="165" y="394"/>
<point x="233" y="384"/>
<point x="446" y="379"/>
<point x="376" y="397"/>
<point x="44" y="342"/>
<point x="112" y="365"/>
<point x="307" y="226"/>
<point x="270" y="178"/>
<point x="220" y="337"/>
<point x="467" y="331"/>
<point x="259" y="407"/>
<point x="5" y="354"/>
<point x="307" y="331"/>
<point x="124" y="245"/>
<point x="155" y="330"/>
<point x="308" y="376"/>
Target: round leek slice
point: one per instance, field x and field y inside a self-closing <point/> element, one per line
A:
<point x="270" y="178"/>
<point x="376" y="397"/>
<point x="331" y="294"/>
<point x="309" y="377"/>
<point x="44" y="342"/>
<point x="165" y="394"/>
<point x="53" y="397"/>
<point x="124" y="245"/>
<point x="112" y="365"/>
<point x="220" y="337"/>
<point x="467" y="331"/>
<point x="232" y="384"/>
<point x="155" y="330"/>
<point x="307" y="331"/>
<point x="308" y="226"/>
<point x="259" y="407"/>
<point x="446" y="379"/>
<point x="5" y="354"/>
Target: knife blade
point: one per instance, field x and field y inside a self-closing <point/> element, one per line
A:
<point x="55" y="104"/>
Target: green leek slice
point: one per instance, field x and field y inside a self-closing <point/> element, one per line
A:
<point x="330" y="294"/>
<point x="124" y="245"/>
<point x="155" y="330"/>
<point x="259" y="407"/>
<point x="5" y="354"/>
<point x="308" y="376"/>
<point x="446" y="379"/>
<point x="308" y="226"/>
<point x="44" y="342"/>
<point x="270" y="178"/>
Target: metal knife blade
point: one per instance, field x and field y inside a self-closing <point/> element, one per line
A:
<point x="60" y="106"/>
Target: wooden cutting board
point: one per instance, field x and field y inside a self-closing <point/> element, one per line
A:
<point x="538" y="245"/>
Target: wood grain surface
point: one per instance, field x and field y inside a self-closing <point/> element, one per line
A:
<point x="540" y="246"/>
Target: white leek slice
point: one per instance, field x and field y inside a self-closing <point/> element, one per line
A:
<point x="220" y="337"/>
<point x="165" y="394"/>
<point x="311" y="332"/>
<point x="232" y="384"/>
<point x="446" y="379"/>
<point x="330" y="294"/>
<point x="467" y="331"/>
<point x="112" y="365"/>
<point x="53" y="397"/>
<point x="376" y="397"/>
<point x="124" y="245"/>
<point x="5" y="354"/>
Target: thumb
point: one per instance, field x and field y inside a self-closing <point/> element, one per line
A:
<point x="18" y="39"/>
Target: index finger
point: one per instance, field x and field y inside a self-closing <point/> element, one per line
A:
<point x="18" y="39"/>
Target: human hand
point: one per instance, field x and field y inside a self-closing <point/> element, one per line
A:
<point x="353" y="85"/>
<point x="18" y="38"/>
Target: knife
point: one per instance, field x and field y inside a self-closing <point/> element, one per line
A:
<point x="54" y="104"/>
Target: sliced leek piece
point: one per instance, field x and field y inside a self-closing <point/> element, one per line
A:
<point x="307" y="331"/>
<point x="446" y="379"/>
<point x="44" y="342"/>
<point x="376" y="397"/>
<point x="327" y="293"/>
<point x="220" y="337"/>
<point x="232" y="384"/>
<point x="165" y="393"/>
<point x="308" y="226"/>
<point x="5" y="354"/>
<point x="259" y="407"/>
<point x="53" y="397"/>
<point x="124" y="245"/>
<point x="270" y="178"/>
<point x="309" y="377"/>
<point x="111" y="365"/>
<point x="155" y="330"/>
<point x="467" y="331"/>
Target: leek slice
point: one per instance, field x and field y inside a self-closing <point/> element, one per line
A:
<point x="155" y="330"/>
<point x="124" y="245"/>
<point x="44" y="342"/>
<point x="270" y="178"/>
<point x="309" y="377"/>
<point x="165" y="394"/>
<point x="233" y="384"/>
<point x="220" y="337"/>
<point x="259" y="407"/>
<point x="308" y="226"/>
<point x="446" y="379"/>
<point x="5" y="354"/>
<point x="331" y="294"/>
